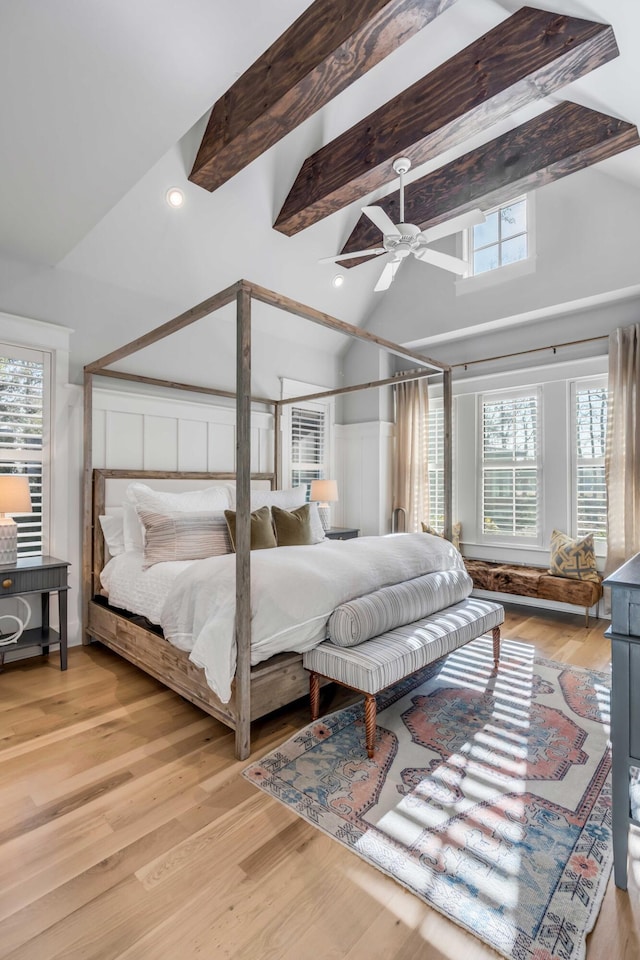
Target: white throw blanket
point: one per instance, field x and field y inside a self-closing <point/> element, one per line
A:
<point x="294" y="590"/>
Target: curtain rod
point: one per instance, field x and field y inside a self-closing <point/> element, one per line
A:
<point x="521" y="353"/>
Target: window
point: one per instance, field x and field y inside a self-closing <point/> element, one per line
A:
<point x="23" y="401"/>
<point x="501" y="239"/>
<point x="436" y="464"/>
<point x="590" y="430"/>
<point x="308" y="432"/>
<point x="510" y="466"/>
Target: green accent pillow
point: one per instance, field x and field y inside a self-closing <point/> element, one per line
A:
<point x="262" y="535"/>
<point x="293" y="527"/>
<point x="575" y="559"/>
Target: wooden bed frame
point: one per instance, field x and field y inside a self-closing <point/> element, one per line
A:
<point x="259" y="690"/>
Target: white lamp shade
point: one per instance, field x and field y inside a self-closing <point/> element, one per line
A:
<point x="15" y="496"/>
<point x="325" y="491"/>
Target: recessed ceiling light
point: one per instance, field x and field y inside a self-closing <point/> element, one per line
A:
<point x="338" y="280"/>
<point x="175" y="197"/>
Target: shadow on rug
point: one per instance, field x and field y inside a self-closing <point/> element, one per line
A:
<point x="488" y="795"/>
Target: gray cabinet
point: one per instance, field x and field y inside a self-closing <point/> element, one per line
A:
<point x="625" y="707"/>
<point x="341" y="533"/>
<point x="43" y="575"/>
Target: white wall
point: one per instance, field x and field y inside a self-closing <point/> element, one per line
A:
<point x="586" y="246"/>
<point x="585" y="283"/>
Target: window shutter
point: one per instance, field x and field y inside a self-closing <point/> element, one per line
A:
<point x="590" y="490"/>
<point x="21" y="439"/>
<point x="436" y="465"/>
<point x="510" y="475"/>
<point x="307" y="445"/>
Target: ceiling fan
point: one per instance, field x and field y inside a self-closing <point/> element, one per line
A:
<point x="401" y="239"/>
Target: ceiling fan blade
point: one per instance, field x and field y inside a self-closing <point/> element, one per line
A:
<point x="352" y="256"/>
<point x="443" y="260"/>
<point x="382" y="220"/>
<point x="455" y="225"/>
<point x="387" y="275"/>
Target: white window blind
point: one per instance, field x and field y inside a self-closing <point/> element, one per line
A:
<point x="510" y="469"/>
<point x="22" y="431"/>
<point x="435" y="467"/>
<point x="308" y="431"/>
<point x="590" y="496"/>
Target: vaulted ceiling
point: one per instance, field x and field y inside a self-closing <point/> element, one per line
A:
<point x="105" y="106"/>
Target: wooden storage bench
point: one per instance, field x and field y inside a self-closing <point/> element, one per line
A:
<point x="536" y="582"/>
<point x="378" y="663"/>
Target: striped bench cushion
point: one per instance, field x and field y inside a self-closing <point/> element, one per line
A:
<point x="377" y="663"/>
<point x="369" y="616"/>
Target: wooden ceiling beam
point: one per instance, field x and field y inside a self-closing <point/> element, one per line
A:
<point x="560" y="141"/>
<point x="328" y="47"/>
<point x="523" y="59"/>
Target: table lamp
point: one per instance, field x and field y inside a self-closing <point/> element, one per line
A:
<point x="324" y="492"/>
<point x="15" y="497"/>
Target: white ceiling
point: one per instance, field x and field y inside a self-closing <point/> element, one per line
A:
<point x="104" y="104"/>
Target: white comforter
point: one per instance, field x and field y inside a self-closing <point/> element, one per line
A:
<point x="294" y="590"/>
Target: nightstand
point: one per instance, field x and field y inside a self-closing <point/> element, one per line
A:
<point x="43" y="575"/>
<point x="341" y="533"/>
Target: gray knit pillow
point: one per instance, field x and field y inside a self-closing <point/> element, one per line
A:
<point x="390" y="607"/>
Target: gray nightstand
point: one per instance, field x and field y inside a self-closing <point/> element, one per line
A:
<point x="43" y="575"/>
<point x="341" y="533"/>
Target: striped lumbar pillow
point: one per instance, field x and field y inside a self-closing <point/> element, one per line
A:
<point x="390" y="607"/>
<point x="183" y="536"/>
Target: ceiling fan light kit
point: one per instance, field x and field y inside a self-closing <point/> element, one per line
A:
<point x="399" y="240"/>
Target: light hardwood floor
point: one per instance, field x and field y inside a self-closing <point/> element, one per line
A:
<point x="127" y="832"/>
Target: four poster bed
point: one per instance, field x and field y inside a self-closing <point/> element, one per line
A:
<point x="276" y="676"/>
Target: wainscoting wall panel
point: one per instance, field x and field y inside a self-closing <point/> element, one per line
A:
<point x="141" y="432"/>
<point x="363" y="468"/>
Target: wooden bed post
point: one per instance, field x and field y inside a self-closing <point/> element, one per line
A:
<point x="87" y="510"/>
<point x="447" y="403"/>
<point x="243" y="523"/>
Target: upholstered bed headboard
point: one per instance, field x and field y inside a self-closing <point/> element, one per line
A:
<point x="109" y="490"/>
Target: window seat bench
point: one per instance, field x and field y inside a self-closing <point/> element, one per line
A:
<point x="525" y="581"/>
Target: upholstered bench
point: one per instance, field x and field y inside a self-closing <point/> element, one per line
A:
<point x="381" y="661"/>
<point x="524" y="581"/>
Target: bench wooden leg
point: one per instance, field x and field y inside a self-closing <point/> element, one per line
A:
<point x="586" y="617"/>
<point x="314" y="695"/>
<point x="496" y="646"/>
<point x="370" y="723"/>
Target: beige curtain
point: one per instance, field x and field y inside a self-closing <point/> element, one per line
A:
<point x="622" y="461"/>
<point x="410" y="476"/>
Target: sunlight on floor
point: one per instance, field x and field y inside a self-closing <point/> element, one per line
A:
<point x="492" y="763"/>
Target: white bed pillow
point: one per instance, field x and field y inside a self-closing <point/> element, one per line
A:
<point x="189" y="501"/>
<point x="285" y="499"/>
<point x="113" y="531"/>
<point x="317" y="530"/>
<point x="132" y="529"/>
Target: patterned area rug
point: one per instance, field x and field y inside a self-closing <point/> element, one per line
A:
<point x="488" y="796"/>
